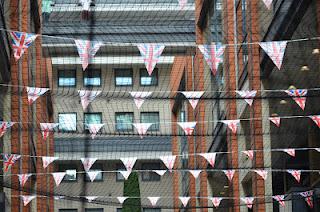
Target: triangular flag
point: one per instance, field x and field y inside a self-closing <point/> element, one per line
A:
<point x="46" y="128"/>
<point x="88" y="162"/>
<point x="195" y="173"/>
<point x="58" y="177"/>
<point x="280" y="199"/>
<point x="27" y="199"/>
<point x="46" y="161"/>
<point x="248" y="201"/>
<point x="58" y="197"/>
<point x="193" y="97"/>
<point x="275" y="120"/>
<point x="249" y="153"/>
<point x="275" y="50"/>
<point x="248" y="96"/>
<point x="291" y="152"/>
<point x="308" y="197"/>
<point x="150" y="52"/>
<point x="229" y="174"/>
<point x="182" y="4"/>
<point x="299" y="96"/>
<point x="160" y="172"/>
<point x="232" y="124"/>
<point x="4" y="125"/>
<point x="210" y="157"/>
<point x="91" y="198"/>
<point x="142" y="128"/>
<point x="184" y="201"/>
<point x="213" y="54"/>
<point x="168" y="161"/>
<point x="93" y="174"/>
<point x="23" y="178"/>
<point x="34" y="93"/>
<point x="268" y="3"/>
<point x="9" y="160"/>
<point x="316" y="120"/>
<point x="317" y="149"/>
<point x="262" y="173"/>
<point x="87" y="50"/>
<point x="139" y="97"/>
<point x="122" y="199"/>
<point x="216" y="201"/>
<point x="125" y="174"/>
<point x="188" y="127"/>
<point x="129" y="162"/>
<point x="85" y="4"/>
<point x="94" y="129"/>
<point x="21" y="42"/>
<point x="153" y="200"/>
<point x="296" y="174"/>
<point x="87" y="97"/>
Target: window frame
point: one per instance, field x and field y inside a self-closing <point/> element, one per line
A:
<point x="73" y="113"/>
<point x="116" y="123"/>
<point x="87" y="73"/>
<point x="64" y="168"/>
<point x="116" y="70"/>
<point x="93" y="113"/>
<point x="93" y="209"/>
<point x="157" y="124"/>
<point x="59" y="76"/>
<point x="155" y="72"/>
<point x="153" y="177"/>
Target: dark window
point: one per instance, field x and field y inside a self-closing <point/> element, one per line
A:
<point x="67" y="78"/>
<point x="119" y="176"/>
<point x="71" y="172"/>
<point x="99" y="177"/>
<point x="123" y="77"/>
<point x="151" y="117"/>
<point x="68" y="210"/>
<point x="146" y="79"/>
<point x="124" y="121"/>
<point x="119" y="209"/>
<point x="92" y="77"/>
<point x="92" y="118"/>
<point x="151" y="210"/>
<point x="150" y="176"/>
<point x="67" y="121"/>
<point x="94" y="210"/>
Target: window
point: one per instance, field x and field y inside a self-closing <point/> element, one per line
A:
<point x="124" y="121"/>
<point x="123" y="77"/>
<point x="150" y="176"/>
<point x="99" y="177"/>
<point x="92" y="77"/>
<point x="94" y="210"/>
<point x="92" y="118"/>
<point x="120" y="167"/>
<point x="68" y="210"/>
<point x="151" y="117"/>
<point x="147" y="80"/>
<point x="151" y="210"/>
<point x="67" y="121"/>
<point x="67" y="78"/>
<point x="71" y="172"/>
<point x="119" y="209"/>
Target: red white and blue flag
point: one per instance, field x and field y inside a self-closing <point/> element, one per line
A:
<point x="9" y="160"/>
<point x="87" y="50"/>
<point x="247" y="96"/>
<point x="4" y="126"/>
<point x="268" y="3"/>
<point x="299" y="96"/>
<point x="316" y="120"/>
<point x="213" y="54"/>
<point x="21" y="42"/>
<point x="308" y="197"/>
<point x="150" y="52"/>
<point x="275" y="50"/>
<point x="34" y="93"/>
<point x="280" y="199"/>
<point x="183" y="4"/>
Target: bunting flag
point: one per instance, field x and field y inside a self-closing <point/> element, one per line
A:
<point x="195" y="173"/>
<point x="91" y="198"/>
<point x="87" y="50"/>
<point x="183" y="4"/>
<point x="291" y="152"/>
<point x="88" y="162"/>
<point x="139" y="97"/>
<point x="308" y="197"/>
<point x="268" y="3"/>
<point x="150" y="52"/>
<point x="34" y="93"/>
<point x="46" y="128"/>
<point x="58" y="197"/>
<point x="153" y="200"/>
<point x="193" y="97"/>
<point x="187" y="127"/>
<point x="262" y="173"/>
<point x="46" y="161"/>
<point x="27" y="199"/>
<point x="249" y="153"/>
<point x="129" y="162"/>
<point x="122" y="199"/>
<point x="317" y="149"/>
<point x="87" y="97"/>
<point x="229" y="174"/>
<point x="248" y="201"/>
<point x="296" y="174"/>
<point x="125" y="174"/>
<point x="58" y="177"/>
<point x="299" y="96"/>
<point x="85" y="4"/>
<point x="9" y="160"/>
<point x="94" y="129"/>
<point x="21" y="42"/>
<point x="216" y="201"/>
<point x="168" y="161"/>
<point x="248" y="96"/>
<point x="93" y="174"/>
<point x="23" y="178"/>
<point x="280" y="199"/>
<point x="275" y="50"/>
<point x="4" y="125"/>
<point x="213" y="54"/>
<point x="142" y="128"/>
<point x="232" y="124"/>
<point x="210" y="157"/>
<point x="275" y="120"/>
<point x="316" y="120"/>
<point x="160" y="172"/>
<point x="184" y="201"/>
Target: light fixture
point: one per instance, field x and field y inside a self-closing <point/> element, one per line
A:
<point x="225" y="186"/>
<point x="283" y="102"/>
<point x="304" y="68"/>
<point x="275" y="114"/>
<point x="316" y="51"/>
<point x="292" y="87"/>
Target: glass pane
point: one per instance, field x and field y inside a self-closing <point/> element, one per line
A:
<point x="96" y="81"/>
<point x="150" y="176"/>
<point x="71" y="175"/>
<point x="94" y="210"/>
<point x="151" y="118"/>
<point x="124" y="121"/>
<point x="92" y="118"/>
<point x="123" y="77"/>
<point x="66" y="77"/>
<point x="67" y="122"/>
<point x="124" y="81"/>
<point x="145" y="79"/>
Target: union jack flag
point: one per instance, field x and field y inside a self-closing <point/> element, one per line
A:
<point x="150" y="52"/>
<point x="275" y="50"/>
<point x="9" y="160"/>
<point x="21" y="42"/>
<point x="298" y="95"/>
<point x="4" y="126"/>
<point x="87" y="50"/>
<point x="213" y="54"/>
